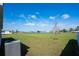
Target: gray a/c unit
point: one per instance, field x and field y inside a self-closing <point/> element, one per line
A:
<point x="78" y="38"/>
<point x="12" y="48"/>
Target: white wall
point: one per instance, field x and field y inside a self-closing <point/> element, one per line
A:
<point x="6" y="32"/>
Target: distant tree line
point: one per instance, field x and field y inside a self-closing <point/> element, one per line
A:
<point x="38" y="31"/>
<point x="70" y="30"/>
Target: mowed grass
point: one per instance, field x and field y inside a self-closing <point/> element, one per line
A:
<point x="43" y="44"/>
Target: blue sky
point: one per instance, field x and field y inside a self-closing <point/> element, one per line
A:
<point x="40" y="16"/>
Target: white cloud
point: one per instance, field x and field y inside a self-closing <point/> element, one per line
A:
<point x="33" y="17"/>
<point x="22" y="16"/>
<point x="51" y="17"/>
<point x="33" y="24"/>
<point x="43" y="24"/>
<point x="65" y="26"/>
<point x="13" y="23"/>
<point x="29" y="24"/>
<point x="65" y="16"/>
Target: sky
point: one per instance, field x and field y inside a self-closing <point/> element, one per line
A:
<point x="40" y="16"/>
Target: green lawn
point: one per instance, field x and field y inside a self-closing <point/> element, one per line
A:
<point x="43" y="44"/>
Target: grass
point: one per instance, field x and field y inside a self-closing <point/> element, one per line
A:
<point x="43" y="44"/>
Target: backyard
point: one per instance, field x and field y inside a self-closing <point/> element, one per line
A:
<point x="44" y="44"/>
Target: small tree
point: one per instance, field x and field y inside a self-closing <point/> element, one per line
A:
<point x="64" y="30"/>
<point x="38" y="31"/>
<point x="17" y="31"/>
<point x="12" y="31"/>
<point x="71" y="29"/>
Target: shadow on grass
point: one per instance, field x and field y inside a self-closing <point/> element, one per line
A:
<point x="71" y="49"/>
<point x="24" y="48"/>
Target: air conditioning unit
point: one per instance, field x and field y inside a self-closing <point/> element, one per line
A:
<point x="78" y="38"/>
<point x="12" y="48"/>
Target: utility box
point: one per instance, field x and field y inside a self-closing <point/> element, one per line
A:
<point x="77" y="51"/>
<point x="78" y="38"/>
<point x="12" y="48"/>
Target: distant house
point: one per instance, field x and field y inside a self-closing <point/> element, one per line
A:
<point x="75" y="31"/>
<point x="6" y="32"/>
